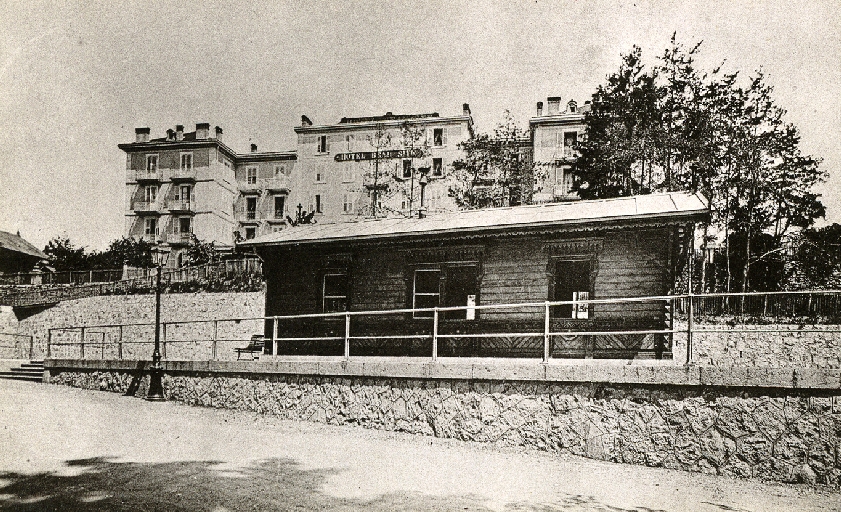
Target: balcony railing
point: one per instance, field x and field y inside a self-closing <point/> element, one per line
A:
<point x="181" y="205"/>
<point x="245" y="186"/>
<point x="179" y="238"/>
<point x="147" y="206"/>
<point x="144" y="175"/>
<point x="276" y="184"/>
<point x="183" y="174"/>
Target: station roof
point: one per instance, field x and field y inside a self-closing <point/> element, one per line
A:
<point x="671" y="207"/>
<point x="15" y="243"/>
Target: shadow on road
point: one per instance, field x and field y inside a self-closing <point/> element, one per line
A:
<point x="275" y="484"/>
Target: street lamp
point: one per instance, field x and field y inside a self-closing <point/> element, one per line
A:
<point x="160" y="253"/>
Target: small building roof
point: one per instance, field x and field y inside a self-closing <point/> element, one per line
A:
<point x="673" y="207"/>
<point x="15" y="243"/>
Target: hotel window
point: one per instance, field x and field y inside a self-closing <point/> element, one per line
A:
<point x="279" y="206"/>
<point x="347" y="203"/>
<point x="570" y="140"/>
<point x="320" y="177"/>
<point x="186" y="161"/>
<point x="407" y="169"/>
<point x="335" y="291"/>
<point x="251" y="176"/>
<point x="426" y="291"/>
<point x="151" y="163"/>
<point x="278" y="170"/>
<point x="437" y="167"/>
<point x="151" y="227"/>
<point x="185" y="225"/>
<point x="250" y="233"/>
<point x="318" y="204"/>
<point x="151" y="193"/>
<point x="323" y="144"/>
<point x="250" y="208"/>
<point x="349" y="142"/>
<point x="572" y="284"/>
<point x="439" y="137"/>
<point x="348" y="174"/>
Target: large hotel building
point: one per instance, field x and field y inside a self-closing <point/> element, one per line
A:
<point x="192" y="183"/>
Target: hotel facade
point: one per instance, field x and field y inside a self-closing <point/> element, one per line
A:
<point x="192" y="183"/>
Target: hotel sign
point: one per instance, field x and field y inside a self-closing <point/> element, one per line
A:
<point x="382" y="155"/>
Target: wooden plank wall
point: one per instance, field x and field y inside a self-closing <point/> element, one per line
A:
<point x="631" y="263"/>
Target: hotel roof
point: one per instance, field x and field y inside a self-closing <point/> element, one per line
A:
<point x="672" y="207"/>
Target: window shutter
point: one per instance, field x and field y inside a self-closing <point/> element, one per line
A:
<point x="444" y="136"/>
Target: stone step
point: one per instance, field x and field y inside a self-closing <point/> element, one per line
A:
<point x="21" y="376"/>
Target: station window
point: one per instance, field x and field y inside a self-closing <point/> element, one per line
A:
<point x="572" y="283"/>
<point x="335" y="291"/>
<point x="451" y="285"/>
<point x="437" y="167"/>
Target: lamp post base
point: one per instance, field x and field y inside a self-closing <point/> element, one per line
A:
<point x="156" y="388"/>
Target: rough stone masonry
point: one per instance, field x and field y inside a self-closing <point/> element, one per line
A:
<point x="778" y="434"/>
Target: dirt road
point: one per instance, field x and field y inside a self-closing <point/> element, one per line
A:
<point x="69" y="449"/>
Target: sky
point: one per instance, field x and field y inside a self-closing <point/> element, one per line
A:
<point x="76" y="78"/>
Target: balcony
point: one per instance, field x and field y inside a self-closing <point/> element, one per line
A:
<point x="276" y="184"/>
<point x="146" y="175"/>
<point x="181" y="206"/>
<point x="183" y="174"/>
<point x="147" y="207"/>
<point x="247" y="215"/>
<point x="246" y="187"/>
<point x="152" y="238"/>
<point x="179" y="238"/>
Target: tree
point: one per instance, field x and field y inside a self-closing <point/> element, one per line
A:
<point x="494" y="170"/>
<point x="199" y="252"/>
<point x="818" y="256"/>
<point x="63" y="255"/>
<point x="414" y="142"/>
<point x="375" y="182"/>
<point x="676" y="127"/>
<point x="125" y="251"/>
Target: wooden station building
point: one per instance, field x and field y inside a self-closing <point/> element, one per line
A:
<point x="576" y="251"/>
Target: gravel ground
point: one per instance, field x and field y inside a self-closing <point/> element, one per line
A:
<point x="70" y="449"/>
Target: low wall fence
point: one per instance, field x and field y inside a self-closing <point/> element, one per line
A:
<point x="602" y="330"/>
<point x="16" y="346"/>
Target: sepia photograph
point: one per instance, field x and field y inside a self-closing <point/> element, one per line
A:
<point x="491" y="255"/>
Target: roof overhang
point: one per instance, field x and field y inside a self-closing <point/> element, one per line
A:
<point x="687" y="208"/>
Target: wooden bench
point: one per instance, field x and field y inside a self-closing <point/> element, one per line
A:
<point x="256" y="345"/>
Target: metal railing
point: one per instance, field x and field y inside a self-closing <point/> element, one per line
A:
<point x="523" y="330"/>
<point x="66" y="277"/>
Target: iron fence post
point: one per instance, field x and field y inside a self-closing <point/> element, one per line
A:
<point x="213" y="347"/>
<point x="274" y="337"/>
<point x="82" y="345"/>
<point x="49" y="342"/>
<point x="31" y="347"/>
<point x="120" y="342"/>
<point x="163" y="339"/>
<point x="435" y="334"/>
<point x="347" y="336"/>
<point x="546" y="332"/>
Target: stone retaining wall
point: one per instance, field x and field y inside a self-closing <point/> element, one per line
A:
<point x="780" y="346"/>
<point x="783" y="434"/>
<point x="133" y="309"/>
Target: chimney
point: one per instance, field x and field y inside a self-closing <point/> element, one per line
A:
<point x="219" y="134"/>
<point x="554" y="105"/>
<point x="539" y="109"/>
<point x="254" y="148"/>
<point x="202" y="131"/>
<point x="465" y="109"/>
<point x="141" y="135"/>
<point x="305" y="121"/>
<point x="179" y="132"/>
<point x="572" y="107"/>
<point x="170" y="135"/>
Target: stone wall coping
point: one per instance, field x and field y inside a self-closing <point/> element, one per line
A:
<point x="666" y="373"/>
